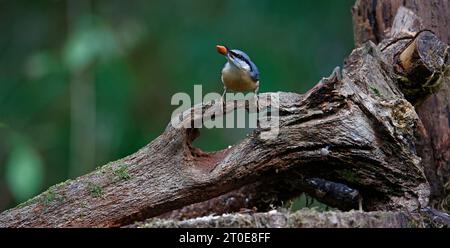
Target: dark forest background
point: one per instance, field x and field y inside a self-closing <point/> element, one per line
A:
<point x="86" y="82"/>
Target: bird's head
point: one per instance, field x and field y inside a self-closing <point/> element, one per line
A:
<point x="240" y="60"/>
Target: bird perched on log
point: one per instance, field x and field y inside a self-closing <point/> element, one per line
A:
<point x="239" y="74"/>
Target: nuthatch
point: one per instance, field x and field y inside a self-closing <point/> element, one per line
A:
<point x="239" y="73"/>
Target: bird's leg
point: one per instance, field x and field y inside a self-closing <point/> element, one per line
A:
<point x="256" y="97"/>
<point x="223" y="97"/>
<point x="224" y="91"/>
<point x="257" y="104"/>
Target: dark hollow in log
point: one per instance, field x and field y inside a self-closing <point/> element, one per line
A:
<point x="263" y="196"/>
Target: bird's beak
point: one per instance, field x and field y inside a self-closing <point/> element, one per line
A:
<point x="222" y="50"/>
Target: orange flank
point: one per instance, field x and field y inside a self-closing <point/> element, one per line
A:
<point x="221" y="49"/>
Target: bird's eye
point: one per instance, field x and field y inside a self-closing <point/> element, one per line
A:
<point x="238" y="56"/>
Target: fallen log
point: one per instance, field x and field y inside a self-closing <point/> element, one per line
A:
<point x="354" y="128"/>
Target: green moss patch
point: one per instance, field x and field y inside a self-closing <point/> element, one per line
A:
<point x="122" y="173"/>
<point x="95" y="190"/>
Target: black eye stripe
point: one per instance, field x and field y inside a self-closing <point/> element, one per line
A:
<point x="242" y="58"/>
<point x="235" y="55"/>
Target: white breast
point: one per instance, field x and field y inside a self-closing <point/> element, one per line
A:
<point x="236" y="79"/>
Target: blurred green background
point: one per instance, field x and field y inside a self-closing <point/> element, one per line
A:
<point x="85" y="82"/>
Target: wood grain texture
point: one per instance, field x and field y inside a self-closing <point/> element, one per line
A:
<point x="308" y="218"/>
<point x="374" y="20"/>
<point x="300" y="219"/>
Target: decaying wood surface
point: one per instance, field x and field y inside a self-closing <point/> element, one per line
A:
<point x="308" y="218"/>
<point x="374" y="20"/>
<point x="303" y="218"/>
<point x="354" y="128"/>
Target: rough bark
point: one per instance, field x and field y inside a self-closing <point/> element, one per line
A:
<point x="307" y="219"/>
<point x="303" y="218"/>
<point x="373" y="21"/>
<point x="354" y="130"/>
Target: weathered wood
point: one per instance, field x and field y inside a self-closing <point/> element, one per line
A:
<point x="303" y="218"/>
<point x="356" y="129"/>
<point x="374" y="20"/>
<point x="423" y="64"/>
